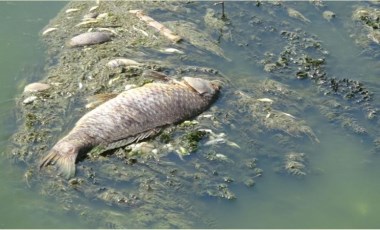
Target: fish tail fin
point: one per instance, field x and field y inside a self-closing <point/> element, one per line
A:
<point x="64" y="162"/>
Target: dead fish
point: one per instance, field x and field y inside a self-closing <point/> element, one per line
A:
<point x="172" y="51"/>
<point x="295" y="14"/>
<point x="87" y="22"/>
<point x="29" y="100"/>
<point x="89" y="38"/>
<point x="114" y="63"/>
<point x="90" y="16"/>
<point x="36" y="87"/>
<point x="71" y="10"/>
<point x="132" y="116"/>
<point x="49" y="30"/>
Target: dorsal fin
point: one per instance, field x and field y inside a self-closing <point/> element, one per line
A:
<point x="98" y="99"/>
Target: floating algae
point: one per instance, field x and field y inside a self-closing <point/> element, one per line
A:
<point x="148" y="184"/>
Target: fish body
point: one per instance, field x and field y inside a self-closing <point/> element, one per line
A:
<point x="134" y="114"/>
<point x="89" y="38"/>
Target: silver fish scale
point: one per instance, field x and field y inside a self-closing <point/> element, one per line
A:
<point x="131" y="116"/>
<point x="139" y="110"/>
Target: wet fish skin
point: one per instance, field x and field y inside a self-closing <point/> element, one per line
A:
<point x="89" y="38"/>
<point x="135" y="112"/>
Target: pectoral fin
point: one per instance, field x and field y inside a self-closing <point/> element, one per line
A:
<point x="126" y="141"/>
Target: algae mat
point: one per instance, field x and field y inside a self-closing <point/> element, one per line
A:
<point x="291" y="137"/>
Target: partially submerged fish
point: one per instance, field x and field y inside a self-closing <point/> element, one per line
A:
<point x="131" y="116"/>
<point x="89" y="38"/>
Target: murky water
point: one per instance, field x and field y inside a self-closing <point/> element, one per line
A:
<point x="21" y="60"/>
<point x="342" y="191"/>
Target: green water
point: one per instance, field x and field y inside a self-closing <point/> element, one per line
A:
<point x="343" y="193"/>
<point x="21" y="58"/>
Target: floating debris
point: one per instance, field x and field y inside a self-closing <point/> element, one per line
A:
<point x="295" y="164"/>
<point x="295" y="14"/>
<point x="197" y="37"/>
<point x="218" y="138"/>
<point x="328" y="15"/>
<point x="374" y="36"/>
<point x="155" y="24"/>
<point x="141" y="148"/>
<point x="51" y="29"/>
<point x="140" y="30"/>
<point x="289" y="124"/>
<point x="89" y="38"/>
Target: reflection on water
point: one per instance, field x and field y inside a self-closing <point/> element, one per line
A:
<point x="340" y="192"/>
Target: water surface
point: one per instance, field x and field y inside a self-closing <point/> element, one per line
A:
<point x="341" y="193"/>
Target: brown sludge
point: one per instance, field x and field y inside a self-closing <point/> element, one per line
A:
<point x="132" y="115"/>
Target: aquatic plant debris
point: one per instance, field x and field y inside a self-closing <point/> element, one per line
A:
<point x="145" y="184"/>
<point x="155" y="24"/>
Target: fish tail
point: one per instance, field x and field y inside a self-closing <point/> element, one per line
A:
<point x="64" y="162"/>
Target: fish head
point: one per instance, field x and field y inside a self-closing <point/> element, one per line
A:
<point x="202" y="86"/>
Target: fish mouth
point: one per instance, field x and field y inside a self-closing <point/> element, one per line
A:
<point x="217" y="84"/>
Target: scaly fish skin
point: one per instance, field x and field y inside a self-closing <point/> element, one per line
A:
<point x="130" y="114"/>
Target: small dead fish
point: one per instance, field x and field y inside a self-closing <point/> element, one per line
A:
<point x="93" y="8"/>
<point x="87" y="22"/>
<point x="107" y="29"/>
<point x="29" y="100"/>
<point x="295" y="14"/>
<point x="218" y="139"/>
<point x="132" y="116"/>
<point x="36" y="87"/>
<point x="71" y="10"/>
<point x="89" y="38"/>
<point x="172" y="51"/>
<point x="328" y="15"/>
<point x="114" y="63"/>
<point x="48" y="30"/>
<point x="265" y="100"/>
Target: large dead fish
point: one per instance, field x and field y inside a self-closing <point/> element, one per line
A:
<point x="132" y="116"/>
